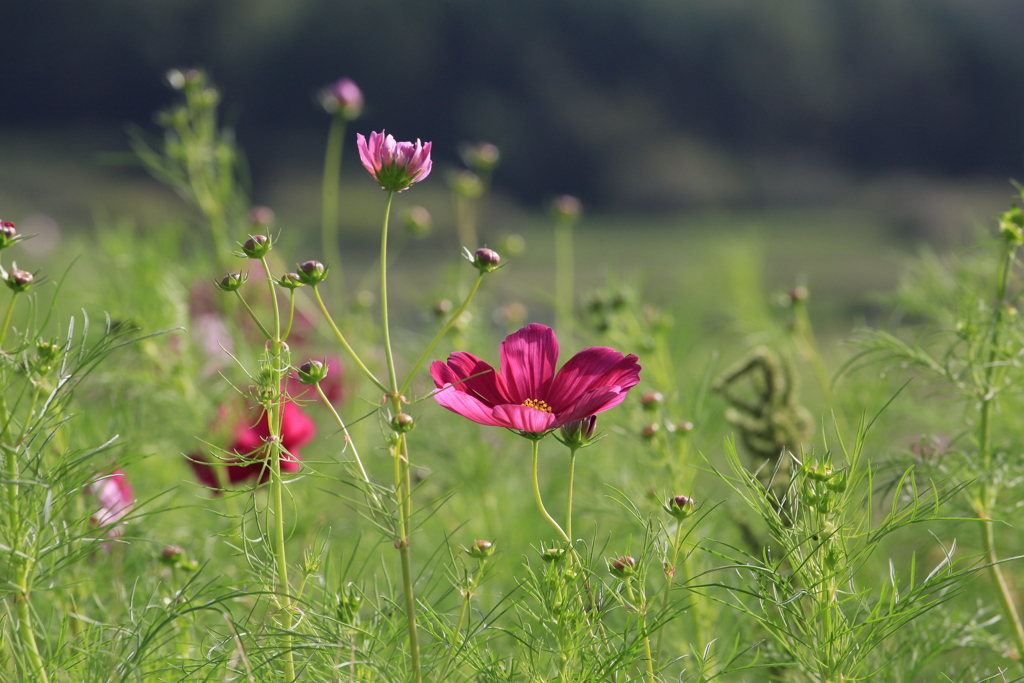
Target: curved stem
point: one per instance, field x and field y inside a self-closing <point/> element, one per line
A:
<point x="329" y="193"/>
<point x="568" y="506"/>
<point x="291" y="315"/>
<point x="643" y="629"/>
<point x="341" y="338"/>
<point x="669" y="579"/>
<point x="273" y="299"/>
<point x="7" y="318"/>
<point x="384" y="295"/>
<point x="351" y="443"/>
<point x="462" y="618"/>
<point x="440" y="335"/>
<point x="266" y="333"/>
<point x="540" y="501"/>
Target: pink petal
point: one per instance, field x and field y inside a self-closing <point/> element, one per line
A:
<point x="592" y="402"/>
<point x="471" y="375"/>
<point x="528" y="359"/>
<point x="364" y="153"/>
<point x="461" y="403"/>
<point x="524" y="418"/>
<point x="589" y="369"/>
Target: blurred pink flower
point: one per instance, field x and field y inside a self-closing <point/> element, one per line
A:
<point x="395" y="165"/>
<point x="527" y="395"/>
<point x="116" y="498"/>
<point x="297" y="429"/>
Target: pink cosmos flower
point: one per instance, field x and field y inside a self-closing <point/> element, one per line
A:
<point x="297" y="429"/>
<point x="342" y="97"/>
<point x="116" y="499"/>
<point x="395" y="165"/>
<point x="527" y="395"/>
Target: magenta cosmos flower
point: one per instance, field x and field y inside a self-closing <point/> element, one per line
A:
<point x="395" y="165"/>
<point x="527" y="395"/>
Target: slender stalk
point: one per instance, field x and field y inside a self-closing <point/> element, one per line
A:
<point x="402" y="486"/>
<point x="351" y="443"/>
<point x="440" y="335"/>
<point x="329" y="192"/>
<point x="273" y="299"/>
<point x="345" y="344"/>
<point x="643" y="629"/>
<point x="540" y="501"/>
<point x="564" y="277"/>
<point x="568" y="505"/>
<point x="384" y="295"/>
<point x="291" y="314"/>
<point x="669" y="580"/>
<point x="25" y="630"/>
<point x="264" y="330"/>
<point x="466" y="598"/>
<point x="7" y="318"/>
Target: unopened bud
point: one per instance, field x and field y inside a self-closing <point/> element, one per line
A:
<point x="552" y="554"/>
<point x="8" y="234"/>
<point x="798" y="293"/>
<point x="348" y="603"/>
<point x="566" y="208"/>
<point x="684" y="427"/>
<point x="680" y="507"/>
<point x="312" y="371"/>
<point x="343" y="98"/>
<point x="482" y="157"/>
<point x="290" y="281"/>
<point x="622" y="567"/>
<point x="256" y="247"/>
<point x="418" y="221"/>
<point x="578" y="433"/>
<point x="261" y="216"/>
<point x="232" y="281"/>
<point x="513" y="245"/>
<point x="651" y="400"/>
<point x="19" y="280"/>
<point x="650" y="430"/>
<point x="1011" y="226"/>
<point x="312" y="273"/>
<point x="466" y="184"/>
<point x="442" y="308"/>
<point x="403" y="422"/>
<point x="171" y="555"/>
<point x="486" y="260"/>
<point x="481" y="549"/>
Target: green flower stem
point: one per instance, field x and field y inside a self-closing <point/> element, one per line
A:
<point x="25" y="630"/>
<point x="404" y="491"/>
<point x="466" y="598"/>
<point x="291" y="314"/>
<point x="670" y="574"/>
<point x="281" y="557"/>
<point x="329" y="193"/>
<point x="540" y="501"/>
<point x="568" y="505"/>
<point x="345" y="344"/>
<point x="266" y="333"/>
<point x="273" y="299"/>
<point x="352" y="444"/>
<point x="564" y="277"/>
<point x="440" y="335"/>
<point x="7" y="318"/>
<point x="987" y="498"/>
<point x="384" y="296"/>
<point x="809" y="348"/>
<point x="643" y="629"/>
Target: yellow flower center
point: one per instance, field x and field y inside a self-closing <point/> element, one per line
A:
<point x="537" y="405"/>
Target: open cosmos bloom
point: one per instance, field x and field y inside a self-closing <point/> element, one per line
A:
<point x="527" y="395"/>
<point x="115" y="497"/>
<point x="394" y="165"/>
<point x="297" y="429"/>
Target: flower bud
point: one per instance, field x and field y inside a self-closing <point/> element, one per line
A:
<point x="364" y="299"/>
<point x="680" y="507"/>
<point x="482" y="157"/>
<point x="481" y="549"/>
<point x="466" y="184"/>
<point x="8" y="234"/>
<point x="261" y="216"/>
<point x="798" y="293"/>
<point x="819" y="471"/>
<point x="684" y="427"/>
<point x="312" y="273"/>
<point x="256" y="247"/>
<point x="578" y="433"/>
<point x="442" y="308"/>
<point x="651" y="400"/>
<point x="552" y="554"/>
<point x="348" y="603"/>
<point x="566" y="208"/>
<point x="171" y="555"/>
<point x="47" y="354"/>
<point x="1011" y="226"/>
<point x="343" y="98"/>
<point x="418" y="221"/>
<point x="402" y="423"/>
<point x="290" y="281"/>
<point x="486" y="260"/>
<point x="622" y="567"/>
<point x="513" y="245"/>
<point x="19" y="280"/>
<point x="650" y="430"/>
<point x="311" y="372"/>
<point x="231" y="282"/>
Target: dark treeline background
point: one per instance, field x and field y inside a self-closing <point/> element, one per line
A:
<point x="628" y="103"/>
